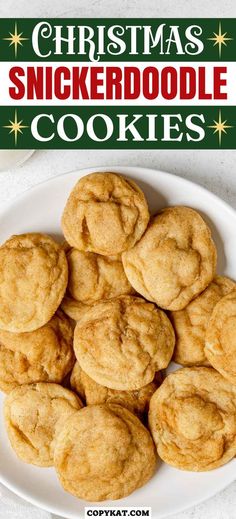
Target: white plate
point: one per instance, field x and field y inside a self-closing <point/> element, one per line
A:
<point x="39" y="209"/>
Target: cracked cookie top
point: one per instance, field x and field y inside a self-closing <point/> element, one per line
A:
<point x="104" y="452"/>
<point x="34" y="414"/>
<point x="220" y="346"/>
<point x="192" y="418"/>
<point x="175" y="259"/>
<point x="121" y="343"/>
<point x="92" y="393"/>
<point x="33" y="280"/>
<point x="93" y="277"/>
<point x="105" y="213"/>
<point x="44" y="355"/>
<point x="191" y="323"/>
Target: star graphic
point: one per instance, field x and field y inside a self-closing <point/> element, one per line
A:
<point x="220" y="127"/>
<point x="220" y="39"/>
<point x="15" y="39"/>
<point x="15" y="127"/>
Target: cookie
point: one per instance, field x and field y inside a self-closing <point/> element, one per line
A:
<point x="92" y="393"/>
<point x="74" y="309"/>
<point x="192" y="419"/>
<point x="33" y="416"/>
<point x="93" y="277"/>
<point x="45" y="355"/>
<point x="104" y="452"/>
<point x="220" y="346"/>
<point x="190" y="324"/>
<point x="121" y="343"/>
<point x="33" y="280"/>
<point x="105" y="213"/>
<point x="174" y="261"/>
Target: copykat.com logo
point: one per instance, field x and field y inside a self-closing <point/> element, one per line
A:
<point x="117" y="512"/>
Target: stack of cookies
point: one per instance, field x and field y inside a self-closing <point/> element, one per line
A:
<point x="87" y="328"/>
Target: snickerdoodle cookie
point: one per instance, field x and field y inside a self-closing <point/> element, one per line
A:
<point x="104" y="452"/>
<point x="220" y="346"/>
<point x="192" y="419"/>
<point x="190" y="324"/>
<point x="121" y="343"/>
<point x="93" y="277"/>
<point x="105" y="213"/>
<point x="74" y="309"/>
<point x="174" y="261"/>
<point x="33" y="279"/>
<point x="45" y="355"/>
<point x="92" y="393"/>
<point x="33" y="415"/>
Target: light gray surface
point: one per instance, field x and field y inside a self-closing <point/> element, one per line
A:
<point x="216" y="170"/>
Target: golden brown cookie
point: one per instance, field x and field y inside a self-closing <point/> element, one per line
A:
<point x="105" y="213"/>
<point x="220" y="346"/>
<point x="104" y="452"/>
<point x="33" y="279"/>
<point x="190" y="324"/>
<point x="65" y="246"/>
<point x="93" y="277"/>
<point x="121" y="343"/>
<point x="33" y="415"/>
<point x="193" y="421"/>
<point x="74" y="309"/>
<point x="92" y="393"/>
<point x="174" y="261"/>
<point x="45" y="355"/>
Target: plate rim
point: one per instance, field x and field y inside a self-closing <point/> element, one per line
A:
<point x="116" y="168"/>
<point x="8" y="205"/>
<point x="56" y="511"/>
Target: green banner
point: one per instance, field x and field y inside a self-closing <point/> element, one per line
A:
<point x="112" y="127"/>
<point x="118" y="39"/>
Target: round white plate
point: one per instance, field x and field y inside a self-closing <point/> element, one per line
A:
<point x="39" y="209"/>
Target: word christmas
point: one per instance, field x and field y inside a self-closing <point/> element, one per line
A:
<point x="115" y="40"/>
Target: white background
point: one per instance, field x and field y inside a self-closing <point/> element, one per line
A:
<point x="229" y="76"/>
<point x="216" y="170"/>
